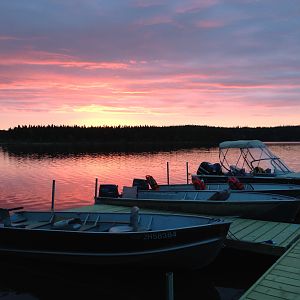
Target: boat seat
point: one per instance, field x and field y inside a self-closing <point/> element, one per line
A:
<point x="120" y="229"/>
<point x="87" y="227"/>
<point x="220" y="195"/>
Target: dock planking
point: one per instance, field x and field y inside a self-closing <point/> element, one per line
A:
<point x="272" y="238"/>
<point x="282" y="280"/>
<point x="266" y="237"/>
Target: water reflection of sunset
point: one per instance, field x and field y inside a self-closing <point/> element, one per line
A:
<point x="27" y="179"/>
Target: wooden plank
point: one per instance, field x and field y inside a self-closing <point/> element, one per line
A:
<point x="291" y="262"/>
<point x="292" y="239"/>
<point x="294" y="255"/>
<point x="251" y="227"/>
<point x="275" y="293"/>
<point x="285" y="274"/>
<point x="297" y="246"/>
<point x="286" y="233"/>
<point x="261" y="296"/>
<point x="271" y="234"/>
<point x="281" y="286"/>
<point x="287" y="269"/>
<point x="240" y="225"/>
<point x="265" y="227"/>
<point x="295" y="251"/>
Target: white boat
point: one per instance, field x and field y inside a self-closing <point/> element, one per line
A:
<point x="250" y="160"/>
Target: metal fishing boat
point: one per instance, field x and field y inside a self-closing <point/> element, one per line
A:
<point x="245" y="204"/>
<point x="112" y="239"/>
<point x="232" y="183"/>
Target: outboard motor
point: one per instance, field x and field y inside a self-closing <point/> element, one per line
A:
<point x="109" y="190"/>
<point x="141" y="184"/>
<point x="207" y="168"/>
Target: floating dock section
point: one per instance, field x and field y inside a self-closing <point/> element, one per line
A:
<point x="281" y="281"/>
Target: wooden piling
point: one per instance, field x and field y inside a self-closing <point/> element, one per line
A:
<point x="168" y="173"/>
<point x="169" y="286"/>
<point x="96" y="187"/>
<point x="187" y="172"/>
<point x="53" y="195"/>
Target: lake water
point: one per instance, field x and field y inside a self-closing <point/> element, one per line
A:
<point x="26" y="180"/>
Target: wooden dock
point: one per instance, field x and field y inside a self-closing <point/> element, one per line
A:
<point x="281" y="281"/>
<point x="272" y="238"/>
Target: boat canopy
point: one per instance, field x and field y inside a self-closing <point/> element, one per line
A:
<point x="242" y="144"/>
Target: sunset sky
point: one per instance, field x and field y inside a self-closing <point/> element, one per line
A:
<point x="149" y="62"/>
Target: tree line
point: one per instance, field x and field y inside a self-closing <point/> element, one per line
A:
<point x="144" y="136"/>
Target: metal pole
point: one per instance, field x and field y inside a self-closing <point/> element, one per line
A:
<point x="168" y="174"/>
<point x="96" y="187"/>
<point x="53" y="194"/>
<point x="187" y="172"/>
<point x="170" y="286"/>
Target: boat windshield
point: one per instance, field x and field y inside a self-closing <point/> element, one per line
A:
<point x="244" y="157"/>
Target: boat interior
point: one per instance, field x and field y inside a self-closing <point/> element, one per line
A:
<point x="98" y="222"/>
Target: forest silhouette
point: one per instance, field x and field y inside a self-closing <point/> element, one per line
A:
<point x="142" y="137"/>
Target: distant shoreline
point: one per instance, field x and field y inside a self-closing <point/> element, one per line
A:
<point x="139" y="138"/>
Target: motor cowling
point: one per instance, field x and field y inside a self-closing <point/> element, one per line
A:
<point x="207" y="168"/>
<point x="108" y="190"/>
<point x="141" y="184"/>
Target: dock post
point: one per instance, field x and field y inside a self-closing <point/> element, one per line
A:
<point x="53" y="194"/>
<point x="187" y="172"/>
<point x="168" y="173"/>
<point x="170" y="286"/>
<point x="96" y="188"/>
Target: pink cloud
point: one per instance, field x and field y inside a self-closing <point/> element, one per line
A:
<point x="209" y="24"/>
<point x="42" y="58"/>
<point x="194" y="5"/>
<point x="7" y="38"/>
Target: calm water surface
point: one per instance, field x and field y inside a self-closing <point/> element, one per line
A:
<point x="26" y="180"/>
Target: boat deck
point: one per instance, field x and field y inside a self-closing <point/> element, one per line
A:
<point x="272" y="238"/>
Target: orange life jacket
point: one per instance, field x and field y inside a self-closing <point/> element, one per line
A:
<point x="199" y="184"/>
<point x="235" y="184"/>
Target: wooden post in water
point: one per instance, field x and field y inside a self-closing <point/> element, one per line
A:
<point x="187" y="172"/>
<point x="96" y="188"/>
<point x="168" y="173"/>
<point x="53" y="194"/>
<point x="170" y="286"/>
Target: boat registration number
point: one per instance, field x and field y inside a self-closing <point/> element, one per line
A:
<point x="160" y="236"/>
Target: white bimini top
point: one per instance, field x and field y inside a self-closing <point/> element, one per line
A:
<point x="242" y="144"/>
